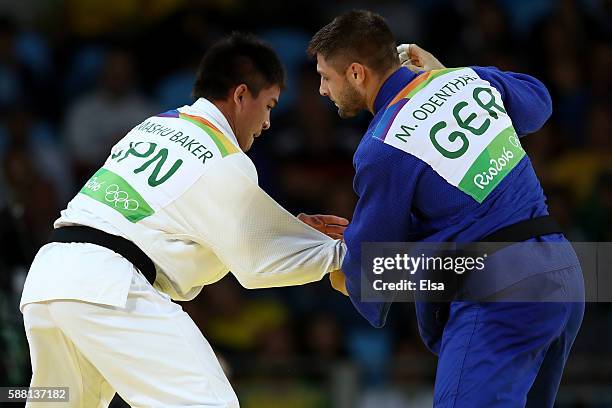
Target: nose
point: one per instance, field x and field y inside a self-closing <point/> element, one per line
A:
<point x="266" y="125"/>
<point x="322" y="89"/>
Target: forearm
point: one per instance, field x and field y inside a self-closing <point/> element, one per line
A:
<point x="260" y="242"/>
<point x="297" y="267"/>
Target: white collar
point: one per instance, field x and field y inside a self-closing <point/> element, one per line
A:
<point x="210" y="110"/>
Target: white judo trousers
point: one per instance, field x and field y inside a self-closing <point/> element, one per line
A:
<point x="150" y="351"/>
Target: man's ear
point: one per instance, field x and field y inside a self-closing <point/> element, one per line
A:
<point x="239" y="94"/>
<point x="356" y="73"/>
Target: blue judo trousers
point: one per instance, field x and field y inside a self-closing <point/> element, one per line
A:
<point x="491" y="353"/>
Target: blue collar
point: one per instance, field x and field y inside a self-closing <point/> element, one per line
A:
<point x="395" y="83"/>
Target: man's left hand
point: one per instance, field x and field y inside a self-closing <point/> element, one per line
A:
<point x="417" y="59"/>
<point x="338" y="281"/>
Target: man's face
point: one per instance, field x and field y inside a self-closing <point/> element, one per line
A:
<point x="337" y="87"/>
<point x="254" y="117"/>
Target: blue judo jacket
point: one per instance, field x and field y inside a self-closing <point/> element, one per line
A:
<point x="402" y="199"/>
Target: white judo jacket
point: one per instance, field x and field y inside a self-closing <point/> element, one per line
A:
<point x="179" y="187"/>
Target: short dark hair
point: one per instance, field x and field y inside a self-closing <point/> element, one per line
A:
<point x="357" y="36"/>
<point x="240" y="58"/>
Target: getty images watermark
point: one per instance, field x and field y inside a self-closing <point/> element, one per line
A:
<point x="524" y="271"/>
<point x="409" y="265"/>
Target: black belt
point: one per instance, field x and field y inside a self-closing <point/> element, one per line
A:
<point x="503" y="237"/>
<point x="511" y="234"/>
<point x="524" y="230"/>
<point x="122" y="246"/>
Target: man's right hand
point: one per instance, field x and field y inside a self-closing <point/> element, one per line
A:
<point x="417" y="59"/>
<point x="331" y="225"/>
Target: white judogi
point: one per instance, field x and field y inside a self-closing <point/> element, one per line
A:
<point x="180" y="188"/>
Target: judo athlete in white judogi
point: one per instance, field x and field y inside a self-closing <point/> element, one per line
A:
<point x="180" y="188"/>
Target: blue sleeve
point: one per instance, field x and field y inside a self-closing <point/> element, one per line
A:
<point x="526" y="99"/>
<point x="385" y="182"/>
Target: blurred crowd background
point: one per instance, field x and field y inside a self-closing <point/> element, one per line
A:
<point x="76" y="75"/>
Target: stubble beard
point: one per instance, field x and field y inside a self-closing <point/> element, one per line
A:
<point x="351" y="103"/>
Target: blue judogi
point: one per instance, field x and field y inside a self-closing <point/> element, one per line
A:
<point x="402" y="199"/>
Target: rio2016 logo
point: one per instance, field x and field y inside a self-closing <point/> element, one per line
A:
<point x="497" y="165"/>
<point x="115" y="196"/>
<point x="93" y="184"/>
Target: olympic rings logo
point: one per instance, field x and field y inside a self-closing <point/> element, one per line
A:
<point x="116" y="196"/>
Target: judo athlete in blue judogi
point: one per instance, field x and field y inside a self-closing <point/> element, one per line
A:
<point x="441" y="161"/>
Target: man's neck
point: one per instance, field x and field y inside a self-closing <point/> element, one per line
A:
<point x="375" y="88"/>
<point x="227" y="112"/>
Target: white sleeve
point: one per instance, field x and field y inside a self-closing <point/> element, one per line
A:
<point x="261" y="243"/>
